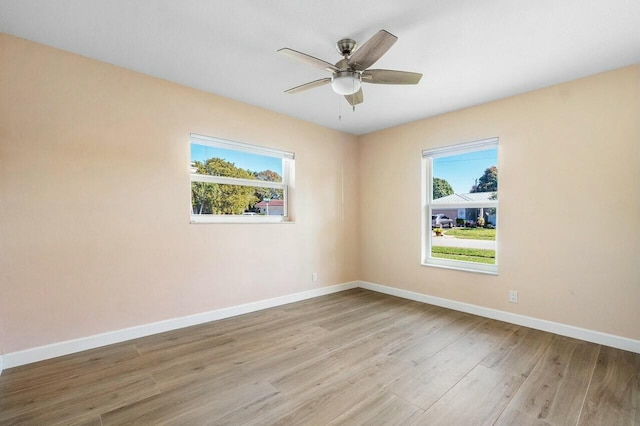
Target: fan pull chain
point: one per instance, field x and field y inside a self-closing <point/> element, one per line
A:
<point x="353" y="96"/>
<point x="339" y="109"/>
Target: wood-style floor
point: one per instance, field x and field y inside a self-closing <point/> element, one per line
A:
<point x="355" y="357"/>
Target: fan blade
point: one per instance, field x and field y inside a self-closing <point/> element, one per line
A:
<point x="356" y="98"/>
<point x="372" y="50"/>
<point x="390" y="77"/>
<point x="308" y="59"/>
<point x="308" y="86"/>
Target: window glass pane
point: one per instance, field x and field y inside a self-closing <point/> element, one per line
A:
<point x="472" y="176"/>
<point x="467" y="235"/>
<point x="223" y="199"/>
<point x="208" y="160"/>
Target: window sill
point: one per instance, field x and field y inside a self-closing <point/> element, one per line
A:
<point x="462" y="268"/>
<point x="199" y="220"/>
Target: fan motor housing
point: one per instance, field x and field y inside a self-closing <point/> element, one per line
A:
<point x="346" y="46"/>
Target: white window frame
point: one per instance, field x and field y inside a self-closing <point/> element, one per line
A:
<point x="288" y="164"/>
<point x="428" y="204"/>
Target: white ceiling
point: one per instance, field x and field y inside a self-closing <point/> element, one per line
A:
<point x="469" y="51"/>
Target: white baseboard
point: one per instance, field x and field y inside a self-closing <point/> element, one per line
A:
<point x="40" y="353"/>
<point x="539" y="324"/>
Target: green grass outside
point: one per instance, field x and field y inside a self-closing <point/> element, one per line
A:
<point x="472" y="233"/>
<point x="465" y="254"/>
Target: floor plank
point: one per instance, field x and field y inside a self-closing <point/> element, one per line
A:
<point x="555" y="390"/>
<point x="383" y="408"/>
<point x="261" y="410"/>
<point x="325" y="403"/>
<point x="477" y="399"/>
<point x="194" y="403"/>
<point x="520" y="353"/>
<point x="614" y="393"/>
<point x="65" y="390"/>
<point x="39" y="373"/>
<point x="451" y="327"/>
<point x="440" y="372"/>
<point x="80" y="405"/>
<point x="351" y="331"/>
<point x="355" y="357"/>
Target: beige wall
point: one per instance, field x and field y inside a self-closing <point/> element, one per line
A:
<point x="569" y="204"/>
<point x="94" y="202"/>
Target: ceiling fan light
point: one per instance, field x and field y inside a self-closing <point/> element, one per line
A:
<point x="346" y="82"/>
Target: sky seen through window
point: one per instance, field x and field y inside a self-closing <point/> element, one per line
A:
<point x="462" y="170"/>
<point x="243" y="160"/>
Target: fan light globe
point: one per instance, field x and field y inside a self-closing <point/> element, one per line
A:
<point x="345" y="82"/>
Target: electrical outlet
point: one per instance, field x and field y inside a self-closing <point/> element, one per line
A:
<point x="513" y="296"/>
<point x="314" y="277"/>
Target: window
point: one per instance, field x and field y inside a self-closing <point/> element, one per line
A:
<point x="460" y="206"/>
<point x="238" y="182"/>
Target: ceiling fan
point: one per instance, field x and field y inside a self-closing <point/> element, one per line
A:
<point x="348" y="74"/>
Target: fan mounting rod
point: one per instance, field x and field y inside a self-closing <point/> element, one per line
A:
<point x="346" y="46"/>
